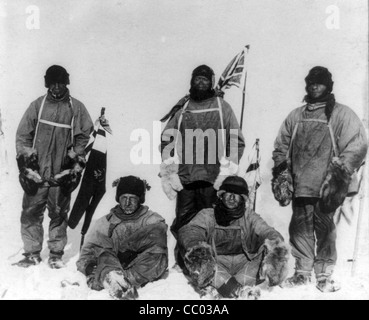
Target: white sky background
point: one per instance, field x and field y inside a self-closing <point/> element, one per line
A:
<point x="136" y="57"/>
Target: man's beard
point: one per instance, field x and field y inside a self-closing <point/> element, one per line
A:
<point x="200" y="95"/>
<point x="58" y="96"/>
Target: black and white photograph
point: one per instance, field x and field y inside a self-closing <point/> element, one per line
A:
<point x="207" y="151"/>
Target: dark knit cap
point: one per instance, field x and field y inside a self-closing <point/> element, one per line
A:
<point x="56" y="74"/>
<point x="235" y="184"/>
<point x="204" y="71"/>
<point x="320" y="75"/>
<point x="132" y="185"/>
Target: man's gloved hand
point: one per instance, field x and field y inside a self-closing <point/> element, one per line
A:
<point x="335" y="187"/>
<point x="119" y="287"/>
<point x="274" y="267"/>
<point x="201" y="264"/>
<point x="282" y="184"/>
<point x="29" y="168"/>
<point x="170" y="180"/>
<point x="90" y="277"/>
<point x="71" y="173"/>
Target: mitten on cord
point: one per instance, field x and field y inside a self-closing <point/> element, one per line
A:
<point x="200" y="264"/>
<point x="170" y="180"/>
<point x="282" y="184"/>
<point x="71" y="173"/>
<point x="274" y="267"/>
<point x="29" y="168"/>
<point x="119" y="287"/>
<point x="335" y="187"/>
<point x="91" y="277"/>
<point x="227" y="168"/>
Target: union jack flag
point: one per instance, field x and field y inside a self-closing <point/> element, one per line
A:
<point x="235" y="73"/>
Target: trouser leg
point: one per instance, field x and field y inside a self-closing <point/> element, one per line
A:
<point x="222" y="271"/>
<point x="326" y="253"/>
<point x="32" y="217"/>
<point x="205" y="197"/>
<point x="190" y="201"/>
<point x="247" y="272"/>
<point x="58" y="205"/>
<point x="301" y="232"/>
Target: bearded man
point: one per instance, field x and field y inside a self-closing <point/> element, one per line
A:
<point x="190" y="171"/>
<point x="318" y="148"/>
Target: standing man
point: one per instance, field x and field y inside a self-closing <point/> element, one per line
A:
<point x="50" y="143"/>
<point x="205" y="117"/>
<point x="127" y="248"/>
<point x="318" y="148"/>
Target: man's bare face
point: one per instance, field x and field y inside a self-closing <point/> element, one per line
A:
<point x="231" y="200"/>
<point x="58" y="89"/>
<point x="129" y="203"/>
<point x="316" y="90"/>
<point x="201" y="83"/>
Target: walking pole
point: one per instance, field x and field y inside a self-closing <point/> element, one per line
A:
<point x="243" y="99"/>
<point x="257" y="162"/>
<point x="360" y="218"/>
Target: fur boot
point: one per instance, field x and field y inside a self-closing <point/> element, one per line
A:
<point x="282" y="184"/>
<point x="200" y="264"/>
<point x="335" y="187"/>
<point x="274" y="268"/>
<point x="29" y="176"/>
<point x="170" y="181"/>
<point x="227" y="168"/>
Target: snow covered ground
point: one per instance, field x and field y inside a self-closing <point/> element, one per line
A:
<point x="41" y="282"/>
<point x="135" y="58"/>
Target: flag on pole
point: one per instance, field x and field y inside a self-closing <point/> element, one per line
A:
<point x="93" y="186"/>
<point x="235" y="73"/>
<point x="253" y="175"/>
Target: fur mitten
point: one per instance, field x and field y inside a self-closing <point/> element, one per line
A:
<point x="71" y="175"/>
<point x="282" y="184"/>
<point x="227" y="168"/>
<point x="119" y="287"/>
<point x="200" y="264"/>
<point x="29" y="176"/>
<point x="335" y="187"/>
<point x="274" y="268"/>
<point x="170" y="181"/>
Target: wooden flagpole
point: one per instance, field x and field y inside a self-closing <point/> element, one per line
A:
<point x="257" y="162"/>
<point x="244" y="89"/>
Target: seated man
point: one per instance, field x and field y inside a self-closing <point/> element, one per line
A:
<point x="230" y="249"/>
<point x="127" y="248"/>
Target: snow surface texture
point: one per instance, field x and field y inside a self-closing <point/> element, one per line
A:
<point x="135" y="58"/>
<point x="41" y="282"/>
